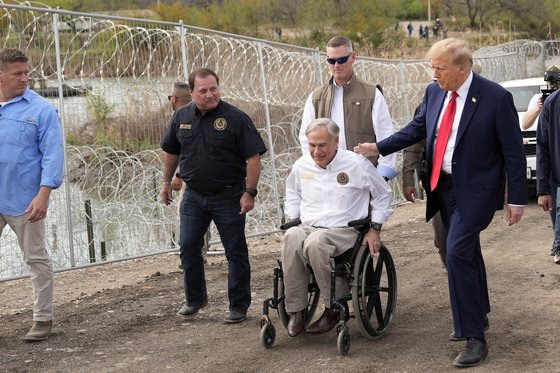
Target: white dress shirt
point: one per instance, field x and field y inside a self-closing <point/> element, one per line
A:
<point x="462" y="94"/>
<point x="382" y="126"/>
<point x="331" y="197"/>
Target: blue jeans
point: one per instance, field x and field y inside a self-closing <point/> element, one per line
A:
<point x="554" y="215"/>
<point x="197" y="211"/>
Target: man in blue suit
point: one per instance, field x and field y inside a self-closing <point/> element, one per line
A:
<point x="467" y="180"/>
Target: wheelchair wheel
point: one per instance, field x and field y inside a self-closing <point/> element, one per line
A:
<point x="374" y="291"/>
<point x="268" y="335"/>
<point x="312" y="301"/>
<point x="343" y="340"/>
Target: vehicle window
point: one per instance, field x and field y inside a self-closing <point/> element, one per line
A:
<point x="522" y="96"/>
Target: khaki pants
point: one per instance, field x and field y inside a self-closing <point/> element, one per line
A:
<point x="31" y="239"/>
<point x="303" y="246"/>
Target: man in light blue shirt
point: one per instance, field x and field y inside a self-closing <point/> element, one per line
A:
<point x="31" y="166"/>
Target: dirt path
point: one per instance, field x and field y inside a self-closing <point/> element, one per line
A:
<point x="121" y="317"/>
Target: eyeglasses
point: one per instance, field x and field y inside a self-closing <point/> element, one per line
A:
<point x="340" y="60"/>
<point x="169" y="97"/>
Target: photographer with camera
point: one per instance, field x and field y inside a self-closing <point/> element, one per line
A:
<point x="552" y="78"/>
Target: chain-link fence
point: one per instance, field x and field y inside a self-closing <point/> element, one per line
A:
<point x="110" y="77"/>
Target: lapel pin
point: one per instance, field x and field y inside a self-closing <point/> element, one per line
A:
<point x="473" y="100"/>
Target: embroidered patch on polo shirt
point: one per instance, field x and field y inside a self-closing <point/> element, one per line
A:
<point x="220" y="124"/>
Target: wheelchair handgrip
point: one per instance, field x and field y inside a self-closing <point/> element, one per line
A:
<point x="359" y="222"/>
<point x="291" y="223"/>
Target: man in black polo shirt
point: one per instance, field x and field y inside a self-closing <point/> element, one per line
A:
<point x="219" y="151"/>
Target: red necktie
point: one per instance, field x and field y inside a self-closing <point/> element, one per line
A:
<point x="442" y="138"/>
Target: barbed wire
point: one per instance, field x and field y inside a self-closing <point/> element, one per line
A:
<point x="116" y="74"/>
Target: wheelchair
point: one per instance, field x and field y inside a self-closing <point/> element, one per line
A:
<point x="373" y="284"/>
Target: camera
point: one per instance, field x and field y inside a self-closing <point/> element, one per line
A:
<point x="552" y="77"/>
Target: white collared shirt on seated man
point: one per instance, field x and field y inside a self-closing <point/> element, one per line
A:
<point x="341" y="192"/>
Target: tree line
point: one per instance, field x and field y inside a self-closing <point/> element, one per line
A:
<point x="312" y="22"/>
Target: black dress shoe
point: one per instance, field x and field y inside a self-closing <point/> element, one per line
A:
<point x="472" y="355"/>
<point x="234" y="317"/>
<point x="296" y="323"/>
<point x="453" y="338"/>
<point x="191" y="309"/>
<point x="326" y="322"/>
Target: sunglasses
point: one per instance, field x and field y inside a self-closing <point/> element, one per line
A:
<point x="169" y="97"/>
<point x="340" y="60"/>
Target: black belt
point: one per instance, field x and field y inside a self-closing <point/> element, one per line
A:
<point x="444" y="176"/>
<point x="211" y="192"/>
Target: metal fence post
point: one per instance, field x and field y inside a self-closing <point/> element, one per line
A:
<point x="403" y="90"/>
<point x="184" y="54"/>
<point x="269" y="130"/>
<point x="89" y="227"/>
<point x="61" y="114"/>
<point x="544" y="44"/>
<point x="315" y="56"/>
<point x="362" y="67"/>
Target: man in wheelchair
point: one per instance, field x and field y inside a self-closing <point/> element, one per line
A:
<point x="326" y="189"/>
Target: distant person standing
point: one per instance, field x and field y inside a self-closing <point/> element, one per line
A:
<point x="410" y="28"/>
<point x="219" y="150"/>
<point x="420" y="32"/>
<point x="31" y="166"/>
<point x="437" y="28"/>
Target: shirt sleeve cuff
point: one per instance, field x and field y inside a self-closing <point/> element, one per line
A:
<point x="51" y="183"/>
<point x="387" y="172"/>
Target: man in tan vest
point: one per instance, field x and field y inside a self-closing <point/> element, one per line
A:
<point x="358" y="107"/>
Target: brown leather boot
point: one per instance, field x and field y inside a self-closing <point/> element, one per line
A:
<point x="326" y="322"/>
<point x="296" y="323"/>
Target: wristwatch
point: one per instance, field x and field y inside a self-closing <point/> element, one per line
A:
<point x="375" y="226"/>
<point x="252" y="191"/>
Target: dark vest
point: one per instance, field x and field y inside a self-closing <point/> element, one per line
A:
<point x="358" y="97"/>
